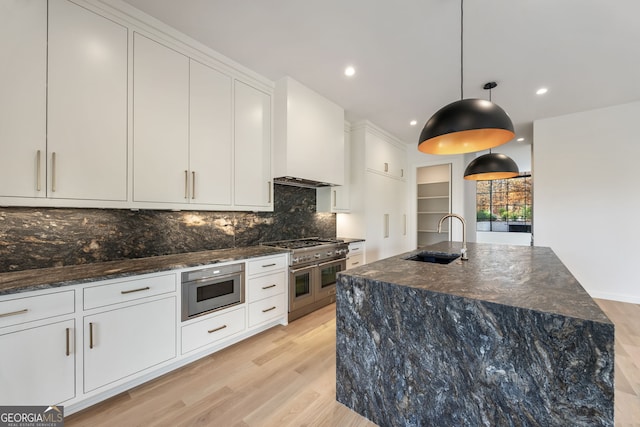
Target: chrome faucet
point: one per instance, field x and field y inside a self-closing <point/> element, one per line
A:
<point x="463" y="251"/>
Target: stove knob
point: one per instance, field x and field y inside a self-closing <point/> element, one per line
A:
<point x="329" y="253"/>
<point x="317" y="255"/>
<point x="295" y="260"/>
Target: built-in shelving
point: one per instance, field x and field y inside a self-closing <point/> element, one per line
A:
<point x="433" y="202"/>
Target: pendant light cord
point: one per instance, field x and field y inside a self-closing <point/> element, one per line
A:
<point x="461" y="49"/>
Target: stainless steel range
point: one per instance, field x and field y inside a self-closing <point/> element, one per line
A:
<point x="313" y="266"/>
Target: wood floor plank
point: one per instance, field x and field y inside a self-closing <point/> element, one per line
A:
<point x="285" y="376"/>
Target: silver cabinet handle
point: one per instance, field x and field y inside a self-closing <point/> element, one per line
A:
<point x="401" y="173"/>
<point x="38" y="172"/>
<point x="53" y="172"/>
<point x="146" y="288"/>
<point x="268" y="265"/>
<point x="90" y="334"/>
<point x="404" y="224"/>
<point x="355" y="263"/>
<point x="193" y="184"/>
<point x="386" y="226"/>
<point x="210" y="331"/>
<point x="335" y="198"/>
<point x="186" y="184"/>
<point x="386" y="167"/>
<point x="14" y="313"/>
<point x="269" y="287"/>
<point x="67" y="333"/>
<point x="269" y="309"/>
<point x="269" y="191"/>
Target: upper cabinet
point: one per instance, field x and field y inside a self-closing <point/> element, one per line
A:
<point x="161" y="123"/>
<point x="86" y="105"/>
<point x="23" y="78"/>
<point x="309" y="135"/>
<point x="252" y="178"/>
<point x="384" y="154"/>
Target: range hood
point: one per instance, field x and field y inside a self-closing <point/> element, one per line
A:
<point x="300" y="182"/>
<point x="309" y="148"/>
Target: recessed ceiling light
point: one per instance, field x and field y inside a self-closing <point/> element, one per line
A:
<point x="349" y="71"/>
<point x="541" y="91"/>
<point x="413" y="122"/>
<point x="520" y="139"/>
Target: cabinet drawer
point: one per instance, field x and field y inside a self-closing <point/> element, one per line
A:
<point x="356" y="248"/>
<point x="266" y="265"/>
<point x="114" y="293"/>
<point x="354" y="261"/>
<point x="266" y="309"/>
<point x="266" y="286"/>
<point x="213" y="329"/>
<point x="28" y="309"/>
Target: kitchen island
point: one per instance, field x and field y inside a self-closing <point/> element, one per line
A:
<point x="508" y="337"/>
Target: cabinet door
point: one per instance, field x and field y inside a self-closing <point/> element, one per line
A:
<point x="23" y="75"/>
<point x="160" y="123"/>
<point x="43" y="371"/>
<point x="252" y="177"/>
<point x="87" y="105"/>
<point x="124" y="341"/>
<point x="384" y="157"/>
<point x="210" y="140"/>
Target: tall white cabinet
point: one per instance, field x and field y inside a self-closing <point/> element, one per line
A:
<point x="378" y="188"/>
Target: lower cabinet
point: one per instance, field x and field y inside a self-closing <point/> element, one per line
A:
<point x="213" y="329"/>
<point x="355" y="257"/>
<point x="37" y="365"/>
<point x="121" y="342"/>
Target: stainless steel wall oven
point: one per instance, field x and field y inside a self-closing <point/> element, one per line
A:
<point x="212" y="288"/>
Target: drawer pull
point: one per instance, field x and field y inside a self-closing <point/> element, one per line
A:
<point x="14" y="313"/>
<point x="217" y="329"/>
<point x="269" y="287"/>
<point x="268" y="265"/>
<point x="355" y="263"/>
<point x="269" y="309"/>
<point x="90" y="334"/>
<point x="146" y="288"/>
<point x="67" y="332"/>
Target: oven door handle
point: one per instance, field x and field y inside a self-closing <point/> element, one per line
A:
<point x="212" y="279"/>
<point x="309" y="267"/>
<point x="334" y="261"/>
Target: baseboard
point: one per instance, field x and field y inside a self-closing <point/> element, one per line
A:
<point x="633" y="299"/>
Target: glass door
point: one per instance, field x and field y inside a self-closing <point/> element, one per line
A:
<point x="302" y="283"/>
<point x="327" y="273"/>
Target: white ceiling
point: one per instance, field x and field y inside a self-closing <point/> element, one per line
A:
<point x="407" y="52"/>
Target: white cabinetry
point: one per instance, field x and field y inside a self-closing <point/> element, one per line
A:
<point x="87" y="105"/>
<point x="253" y="186"/>
<point x="161" y="123"/>
<point x="267" y="289"/>
<point x="379" y="202"/>
<point x="210" y="135"/>
<point x="309" y="134"/>
<point x="336" y="199"/>
<point x="23" y="76"/>
<point x="83" y="155"/>
<point x="123" y="341"/>
<point x="433" y="202"/>
<point x="213" y="329"/>
<point x="37" y="335"/>
<point x="355" y="257"/>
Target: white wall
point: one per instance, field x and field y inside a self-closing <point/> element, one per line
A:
<point x="586" y="197"/>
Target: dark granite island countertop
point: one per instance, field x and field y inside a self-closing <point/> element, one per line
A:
<point x="43" y="278"/>
<point x="508" y="337"/>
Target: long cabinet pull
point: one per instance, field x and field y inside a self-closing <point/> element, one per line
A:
<point x="186" y="184"/>
<point x="355" y="263"/>
<point x="146" y="288"/>
<point x="216" y="329"/>
<point x="14" y="313"/>
<point x="38" y="172"/>
<point x="193" y="184"/>
<point x="334" y="199"/>
<point x="386" y="167"/>
<point x="269" y="191"/>
<point x="53" y="171"/>
<point x="269" y="287"/>
<point x="90" y="334"/>
<point x="67" y="332"/>
<point x="404" y="224"/>
<point x="268" y="265"/>
<point x="269" y="309"/>
<point x="386" y="226"/>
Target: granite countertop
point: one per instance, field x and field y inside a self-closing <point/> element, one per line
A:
<point x="350" y="239"/>
<point x="520" y="276"/>
<point x="43" y="278"/>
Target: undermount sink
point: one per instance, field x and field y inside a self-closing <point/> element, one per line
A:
<point x="434" y="257"/>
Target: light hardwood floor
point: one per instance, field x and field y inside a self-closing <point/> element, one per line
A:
<point x="286" y="377"/>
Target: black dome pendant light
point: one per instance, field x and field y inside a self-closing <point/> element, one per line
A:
<point x="466" y="125"/>
<point x="493" y="165"/>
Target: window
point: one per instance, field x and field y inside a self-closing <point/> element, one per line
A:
<point x="504" y="204"/>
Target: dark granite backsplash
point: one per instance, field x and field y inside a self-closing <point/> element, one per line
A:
<point x="49" y="237"/>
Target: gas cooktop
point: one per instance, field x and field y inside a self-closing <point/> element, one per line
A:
<point x="308" y="242"/>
